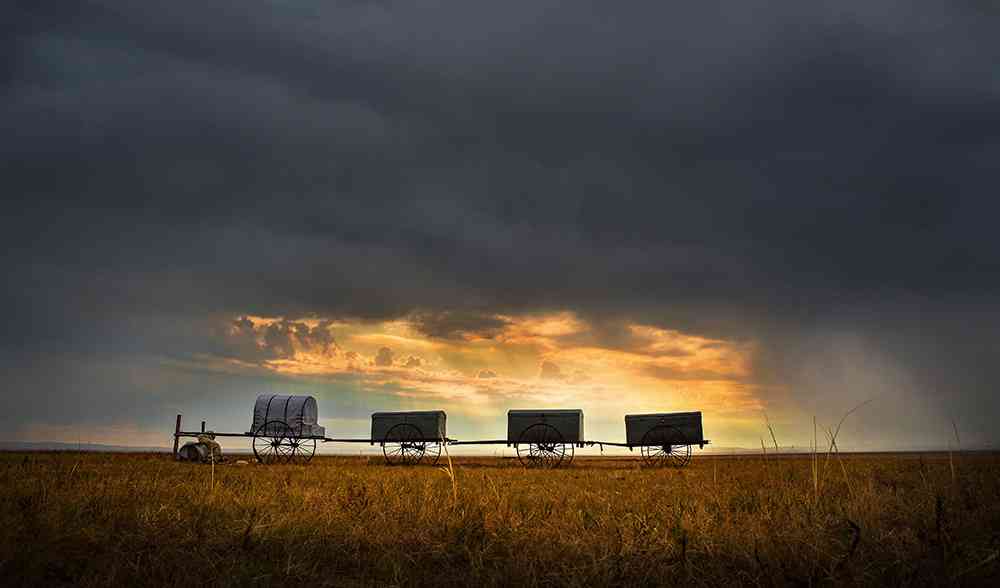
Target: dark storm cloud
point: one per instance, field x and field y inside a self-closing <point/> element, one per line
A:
<point x="447" y="324"/>
<point x="691" y="159"/>
<point x="611" y="332"/>
<point x="717" y="168"/>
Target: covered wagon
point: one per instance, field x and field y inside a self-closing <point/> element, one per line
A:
<point x="410" y="437"/>
<point x="665" y="438"/>
<point x="285" y="428"/>
<point x="545" y="438"/>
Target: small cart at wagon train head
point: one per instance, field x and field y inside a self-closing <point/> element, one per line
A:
<point x="545" y="438"/>
<point x="665" y="439"/>
<point x="409" y="438"/>
<point x="285" y="429"/>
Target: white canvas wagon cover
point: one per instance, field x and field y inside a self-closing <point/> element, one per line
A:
<point x="298" y="412"/>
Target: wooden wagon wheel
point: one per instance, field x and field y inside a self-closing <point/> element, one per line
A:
<point x="664" y="445"/>
<point x="303" y="449"/>
<point x="433" y="453"/>
<point x="542" y="445"/>
<point x="404" y="444"/>
<point x="272" y="443"/>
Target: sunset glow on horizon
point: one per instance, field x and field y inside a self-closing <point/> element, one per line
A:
<point x="531" y="360"/>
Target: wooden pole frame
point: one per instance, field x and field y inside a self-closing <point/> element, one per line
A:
<point x="177" y="436"/>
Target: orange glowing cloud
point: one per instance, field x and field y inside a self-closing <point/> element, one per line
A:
<point x="532" y="359"/>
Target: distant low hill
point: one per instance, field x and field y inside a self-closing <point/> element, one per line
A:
<point x="53" y="446"/>
<point x="91" y="447"/>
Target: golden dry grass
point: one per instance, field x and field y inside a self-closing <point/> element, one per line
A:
<point x="101" y="520"/>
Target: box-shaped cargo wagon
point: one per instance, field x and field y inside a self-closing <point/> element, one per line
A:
<point x="425" y="425"/>
<point x="665" y="438"/>
<point x="411" y="437"/>
<point x="545" y="438"/>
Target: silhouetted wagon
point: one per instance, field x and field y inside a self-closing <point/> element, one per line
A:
<point x="545" y="438"/>
<point x="408" y="438"/>
<point x="664" y="438"/>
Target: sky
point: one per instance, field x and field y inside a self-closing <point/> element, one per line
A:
<point x="767" y="212"/>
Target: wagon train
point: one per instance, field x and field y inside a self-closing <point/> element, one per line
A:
<point x="286" y="429"/>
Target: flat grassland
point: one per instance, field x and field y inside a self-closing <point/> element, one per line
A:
<point x="891" y="519"/>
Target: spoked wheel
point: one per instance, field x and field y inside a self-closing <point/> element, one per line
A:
<point x="664" y="445"/>
<point x="273" y="443"/>
<point x="404" y="445"/>
<point x="542" y="446"/>
<point x="433" y="453"/>
<point x="303" y="449"/>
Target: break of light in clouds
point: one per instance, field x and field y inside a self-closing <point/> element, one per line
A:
<point x="543" y="360"/>
<point x="783" y="210"/>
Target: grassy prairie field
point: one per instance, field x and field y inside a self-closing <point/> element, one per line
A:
<point x="112" y="520"/>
